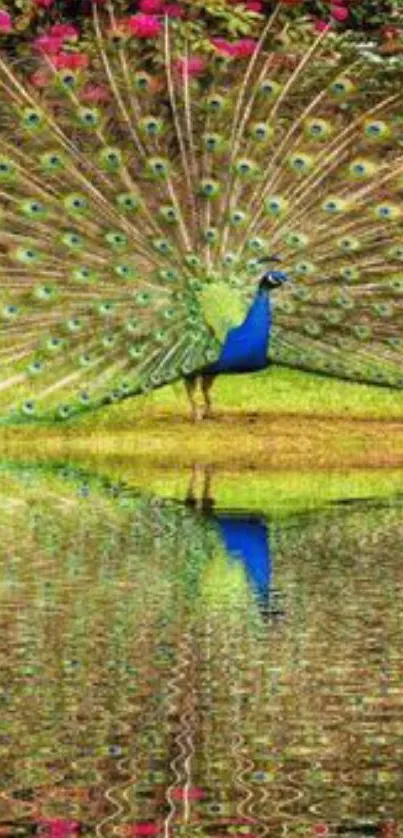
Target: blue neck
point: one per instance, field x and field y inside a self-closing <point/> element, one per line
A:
<point x="245" y="348"/>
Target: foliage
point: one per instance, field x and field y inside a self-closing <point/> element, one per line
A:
<point x="201" y="19"/>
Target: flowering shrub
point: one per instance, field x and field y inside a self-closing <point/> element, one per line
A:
<point x="62" y="30"/>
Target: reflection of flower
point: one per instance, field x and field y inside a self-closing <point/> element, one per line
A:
<point x="5" y="22"/>
<point x="187" y="794"/>
<point x="59" y="827"/>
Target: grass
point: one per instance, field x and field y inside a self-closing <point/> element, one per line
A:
<point x="279" y="419"/>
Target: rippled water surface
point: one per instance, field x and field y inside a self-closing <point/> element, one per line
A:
<point x="174" y="668"/>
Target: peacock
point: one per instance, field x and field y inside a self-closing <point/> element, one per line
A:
<point x="158" y="227"/>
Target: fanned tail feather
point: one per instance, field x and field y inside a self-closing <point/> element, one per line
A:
<point x="121" y="219"/>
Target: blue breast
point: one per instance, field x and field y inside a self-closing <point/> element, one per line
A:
<point x="245" y="347"/>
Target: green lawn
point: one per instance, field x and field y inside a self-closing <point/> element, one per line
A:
<point x="278" y="419"/>
<point x="274" y="391"/>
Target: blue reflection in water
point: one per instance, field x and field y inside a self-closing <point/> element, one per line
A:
<point x="246" y="539"/>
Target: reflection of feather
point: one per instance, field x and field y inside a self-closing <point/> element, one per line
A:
<point x="132" y="230"/>
<point x="125" y="703"/>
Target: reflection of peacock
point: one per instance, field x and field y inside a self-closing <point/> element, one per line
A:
<point x="135" y="230"/>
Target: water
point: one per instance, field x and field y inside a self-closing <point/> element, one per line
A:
<point x="176" y="668"/>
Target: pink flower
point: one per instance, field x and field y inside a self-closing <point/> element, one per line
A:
<point x="64" y="30"/>
<point x="5" y="22"/>
<point x="223" y="46"/>
<point x="174" y="10"/>
<point x="94" y="94"/>
<point x="151" y="7"/>
<point x="244" y="47"/>
<point x="254" y="5"/>
<point x="144" y="26"/>
<point x="321" y="25"/>
<point x="339" y="13"/>
<point x="40" y="78"/>
<point x="71" y="61"/>
<point x="237" y="49"/>
<point x="48" y="44"/>
<point x="321" y="829"/>
<point x="192" y="66"/>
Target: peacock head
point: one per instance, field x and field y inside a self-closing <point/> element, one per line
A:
<point x="272" y="279"/>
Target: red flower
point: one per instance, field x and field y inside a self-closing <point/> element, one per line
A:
<point x="235" y="49"/>
<point x="40" y="78"/>
<point x="48" y="44"/>
<point x="64" y="30"/>
<point x="244" y="47"/>
<point x="145" y="829"/>
<point x="144" y="26"/>
<point x="95" y="93"/>
<point x="192" y="66"/>
<point x="321" y="829"/>
<point x="5" y="22"/>
<point x="223" y="46"/>
<point x="321" y="25"/>
<point x="71" y="61"/>
<point x="151" y="7"/>
<point x="173" y="10"/>
<point x="339" y="13"/>
<point x="43" y="4"/>
<point x="254" y="5"/>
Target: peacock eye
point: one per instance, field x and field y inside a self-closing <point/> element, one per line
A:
<point x="169" y="214"/>
<point x="269" y="88"/>
<point x="238" y="218"/>
<point x="89" y="117"/>
<point x="211" y="235"/>
<point x="68" y="79"/>
<point x="162" y="246"/>
<point x="151" y="126"/>
<point x="128" y="201"/>
<point x="212" y="142"/>
<point x="158" y="167"/>
<point x="142" y="81"/>
<point x="73" y="240"/>
<point x="215" y="103"/>
<point x="210" y="188"/>
<point x="29" y="407"/>
<point x="32" y="118"/>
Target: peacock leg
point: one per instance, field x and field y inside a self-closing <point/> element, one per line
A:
<point x="207" y="382"/>
<point x="191" y="386"/>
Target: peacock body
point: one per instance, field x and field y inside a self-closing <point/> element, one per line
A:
<point x="135" y="228"/>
